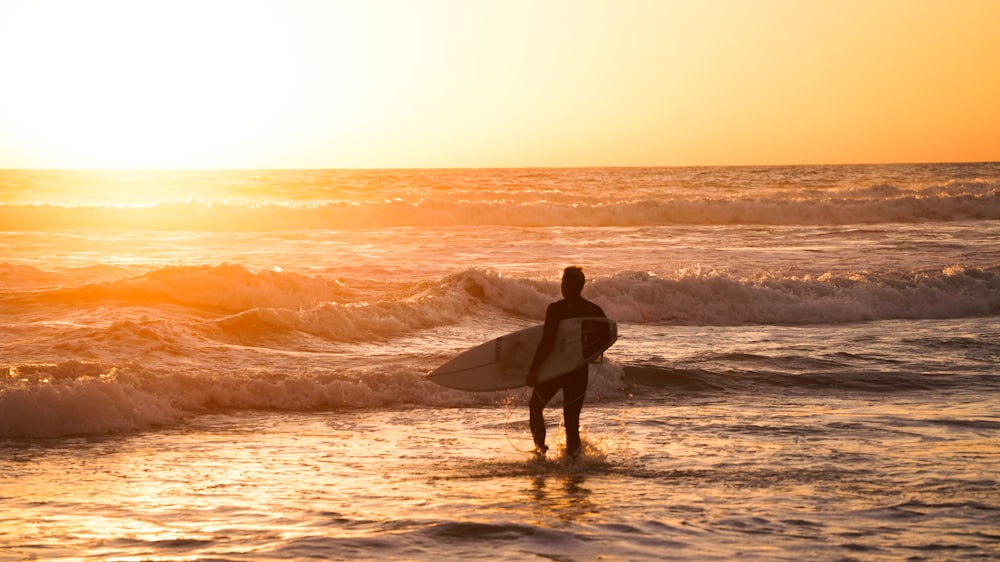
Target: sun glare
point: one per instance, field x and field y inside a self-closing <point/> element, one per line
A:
<point x="443" y="83"/>
<point x="146" y="85"/>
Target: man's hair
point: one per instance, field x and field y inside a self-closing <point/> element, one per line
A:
<point x="573" y="279"/>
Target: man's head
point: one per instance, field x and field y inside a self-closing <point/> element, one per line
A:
<point x="572" y="282"/>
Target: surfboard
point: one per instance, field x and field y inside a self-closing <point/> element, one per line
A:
<point x="502" y="363"/>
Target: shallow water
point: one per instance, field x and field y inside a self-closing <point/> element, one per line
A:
<point x="665" y="478"/>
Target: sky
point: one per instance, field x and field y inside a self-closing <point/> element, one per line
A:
<point x="513" y="83"/>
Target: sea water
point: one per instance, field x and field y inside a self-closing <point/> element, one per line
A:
<point x="229" y="365"/>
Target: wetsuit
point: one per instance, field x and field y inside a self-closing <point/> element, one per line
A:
<point x="573" y="383"/>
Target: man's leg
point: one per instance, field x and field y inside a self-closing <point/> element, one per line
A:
<point x="574" y="391"/>
<point x="540" y="396"/>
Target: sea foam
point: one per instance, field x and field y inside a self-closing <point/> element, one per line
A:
<point x="74" y="398"/>
<point x="238" y="299"/>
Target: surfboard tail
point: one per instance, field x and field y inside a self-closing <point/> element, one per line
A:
<point x="597" y="335"/>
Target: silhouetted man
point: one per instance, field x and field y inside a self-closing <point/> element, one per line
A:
<point x="573" y="383"/>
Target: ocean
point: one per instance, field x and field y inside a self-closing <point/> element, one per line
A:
<point x="230" y="365"/>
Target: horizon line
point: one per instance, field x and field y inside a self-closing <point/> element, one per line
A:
<point x="534" y="167"/>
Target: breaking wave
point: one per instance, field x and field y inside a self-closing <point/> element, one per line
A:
<point x="240" y="298"/>
<point x="177" y="341"/>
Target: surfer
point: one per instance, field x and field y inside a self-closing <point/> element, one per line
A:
<point x="574" y="383"/>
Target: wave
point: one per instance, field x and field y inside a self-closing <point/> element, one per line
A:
<point x="154" y="349"/>
<point x="245" y="304"/>
<point x="78" y="398"/>
<point x="220" y="288"/>
<point x="956" y="201"/>
<point x="92" y="398"/>
<point x="710" y="297"/>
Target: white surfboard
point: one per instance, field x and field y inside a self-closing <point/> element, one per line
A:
<point x="503" y="363"/>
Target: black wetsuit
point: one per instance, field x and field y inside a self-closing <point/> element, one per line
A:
<point x="573" y="383"/>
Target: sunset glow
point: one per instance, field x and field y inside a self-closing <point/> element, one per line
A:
<point x="302" y="84"/>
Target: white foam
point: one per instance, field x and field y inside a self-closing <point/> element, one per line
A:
<point x="50" y="407"/>
<point x="76" y="398"/>
<point x="248" y="305"/>
<point x="709" y="297"/>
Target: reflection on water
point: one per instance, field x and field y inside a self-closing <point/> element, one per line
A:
<point x="705" y="479"/>
<point x="564" y="496"/>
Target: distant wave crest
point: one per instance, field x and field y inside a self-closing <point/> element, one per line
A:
<point x="957" y="201"/>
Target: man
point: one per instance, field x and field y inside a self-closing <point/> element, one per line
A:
<point x="574" y="383"/>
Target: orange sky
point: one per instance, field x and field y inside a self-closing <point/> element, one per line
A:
<point x="467" y="83"/>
